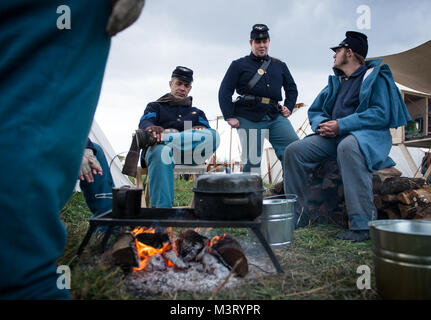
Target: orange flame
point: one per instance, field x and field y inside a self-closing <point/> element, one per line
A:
<point x="145" y="252"/>
<point x="216" y="239"/>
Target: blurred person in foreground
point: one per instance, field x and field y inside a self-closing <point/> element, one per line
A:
<point x="52" y="63"/>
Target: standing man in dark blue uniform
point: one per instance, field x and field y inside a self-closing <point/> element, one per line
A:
<point x="258" y="79"/>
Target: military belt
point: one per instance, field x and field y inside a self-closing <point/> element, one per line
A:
<point x="256" y="99"/>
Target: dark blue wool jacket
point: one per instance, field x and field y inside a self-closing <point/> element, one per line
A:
<point x="166" y="116"/>
<point x="270" y="84"/>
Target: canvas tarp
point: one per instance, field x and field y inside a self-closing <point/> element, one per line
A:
<point x="412" y="68"/>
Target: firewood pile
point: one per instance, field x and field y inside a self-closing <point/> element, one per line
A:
<point x="395" y="197"/>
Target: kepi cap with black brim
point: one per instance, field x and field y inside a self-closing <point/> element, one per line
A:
<point x="183" y="73"/>
<point x="356" y="41"/>
<point x="259" y="31"/>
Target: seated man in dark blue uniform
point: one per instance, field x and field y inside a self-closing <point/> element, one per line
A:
<point x="258" y="79"/>
<point x="172" y="131"/>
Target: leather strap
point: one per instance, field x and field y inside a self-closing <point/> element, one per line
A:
<point x="257" y="75"/>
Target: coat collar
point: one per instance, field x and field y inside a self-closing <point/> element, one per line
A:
<point x="369" y="63"/>
<point x="253" y="57"/>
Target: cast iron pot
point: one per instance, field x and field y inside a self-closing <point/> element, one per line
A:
<point x="235" y="196"/>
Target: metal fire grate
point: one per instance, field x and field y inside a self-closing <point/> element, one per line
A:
<point x="172" y="217"/>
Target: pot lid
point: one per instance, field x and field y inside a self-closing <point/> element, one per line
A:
<point x="228" y="183"/>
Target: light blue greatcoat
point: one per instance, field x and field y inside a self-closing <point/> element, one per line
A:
<point x="380" y="107"/>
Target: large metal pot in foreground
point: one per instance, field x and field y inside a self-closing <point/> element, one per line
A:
<point x="278" y="219"/>
<point x="234" y="196"/>
<point x="402" y="258"/>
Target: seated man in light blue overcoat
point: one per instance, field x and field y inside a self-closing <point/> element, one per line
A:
<point x="351" y="118"/>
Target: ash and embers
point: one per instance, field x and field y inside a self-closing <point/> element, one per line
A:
<point x="199" y="277"/>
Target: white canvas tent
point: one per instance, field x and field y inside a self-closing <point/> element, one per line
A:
<point x="96" y="135"/>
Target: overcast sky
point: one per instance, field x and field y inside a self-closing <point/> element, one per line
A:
<point x="207" y="36"/>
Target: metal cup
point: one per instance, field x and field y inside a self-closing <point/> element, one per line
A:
<point x="126" y="202"/>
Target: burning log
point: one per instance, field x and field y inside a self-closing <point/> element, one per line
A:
<point x="145" y="251"/>
<point x="228" y="250"/>
<point x="175" y="260"/>
<point x="154" y="240"/>
<point x="189" y="244"/>
<point x="211" y="264"/>
<point x="124" y="251"/>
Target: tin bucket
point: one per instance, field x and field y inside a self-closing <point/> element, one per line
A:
<point x="278" y="219"/>
<point x="402" y="258"/>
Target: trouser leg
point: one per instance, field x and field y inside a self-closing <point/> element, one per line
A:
<point x="102" y="185"/>
<point x="160" y="175"/>
<point x="192" y="147"/>
<point x="187" y="147"/>
<point x="300" y="159"/>
<point x="281" y="134"/>
<point x="251" y="135"/>
<point x="357" y="182"/>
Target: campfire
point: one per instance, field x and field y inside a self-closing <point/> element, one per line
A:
<point x="146" y="249"/>
<point x="150" y="244"/>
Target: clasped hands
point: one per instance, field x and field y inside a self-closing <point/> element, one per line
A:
<point x="329" y="129"/>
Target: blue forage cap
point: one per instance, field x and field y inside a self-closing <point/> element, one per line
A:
<point x="259" y="31"/>
<point x="183" y="73"/>
<point x="356" y="41"/>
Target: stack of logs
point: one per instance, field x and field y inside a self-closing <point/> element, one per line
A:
<point x="395" y="197"/>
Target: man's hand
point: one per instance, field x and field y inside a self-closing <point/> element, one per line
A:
<point x="285" y="112"/>
<point x="124" y="13"/>
<point x="329" y="129"/>
<point x="233" y="122"/>
<point x="156" y="132"/>
<point x="89" y="166"/>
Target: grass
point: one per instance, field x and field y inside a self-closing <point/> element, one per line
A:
<point x="316" y="266"/>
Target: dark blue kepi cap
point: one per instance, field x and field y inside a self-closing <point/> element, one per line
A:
<point x="356" y="41"/>
<point x="183" y="73"/>
<point x="259" y="31"/>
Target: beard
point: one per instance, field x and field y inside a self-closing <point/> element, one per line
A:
<point x="341" y="61"/>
